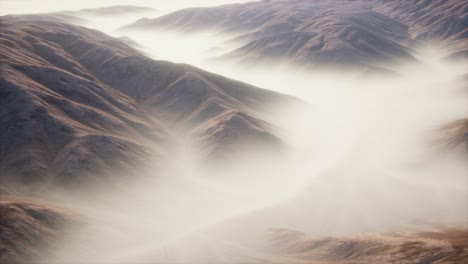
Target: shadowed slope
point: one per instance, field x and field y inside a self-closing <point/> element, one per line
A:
<point x="28" y="229"/>
<point x="58" y="120"/>
<point x="111" y="11"/>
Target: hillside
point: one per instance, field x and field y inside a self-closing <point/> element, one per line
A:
<point x="111" y="11"/>
<point x="29" y="229"/>
<point x="77" y="103"/>
<point x="324" y="33"/>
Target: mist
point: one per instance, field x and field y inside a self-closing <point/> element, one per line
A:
<point x="362" y="156"/>
<point x="164" y="6"/>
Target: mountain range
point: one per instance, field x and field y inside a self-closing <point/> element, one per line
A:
<point x="338" y="33"/>
<point x="77" y="102"/>
<point x="80" y="110"/>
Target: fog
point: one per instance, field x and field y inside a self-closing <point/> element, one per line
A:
<point x="362" y="157"/>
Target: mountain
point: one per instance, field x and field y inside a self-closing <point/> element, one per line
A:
<point x="80" y="106"/>
<point x="60" y="123"/>
<point x="51" y="17"/>
<point x="84" y="17"/>
<point x="441" y="22"/>
<point x="441" y="246"/>
<point x="28" y="229"/>
<point x="111" y="11"/>
<point x="324" y="33"/>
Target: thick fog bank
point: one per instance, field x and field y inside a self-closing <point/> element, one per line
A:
<point x="362" y="157"/>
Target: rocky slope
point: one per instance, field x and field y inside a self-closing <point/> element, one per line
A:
<point x="76" y="103"/>
<point x="325" y="33"/>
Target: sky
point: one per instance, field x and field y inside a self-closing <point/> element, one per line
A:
<point x="41" y="6"/>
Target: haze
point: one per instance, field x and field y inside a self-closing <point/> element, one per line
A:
<point x="362" y="153"/>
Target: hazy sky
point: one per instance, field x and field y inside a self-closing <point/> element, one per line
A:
<point x="39" y="6"/>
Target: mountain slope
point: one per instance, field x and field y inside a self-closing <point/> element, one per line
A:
<point x="323" y="33"/>
<point x="78" y="104"/>
<point x="57" y="119"/>
<point x="29" y="229"/>
<point x="455" y="134"/>
<point x="110" y="11"/>
<point x="442" y="22"/>
<point x="285" y="246"/>
<point x="441" y="246"/>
